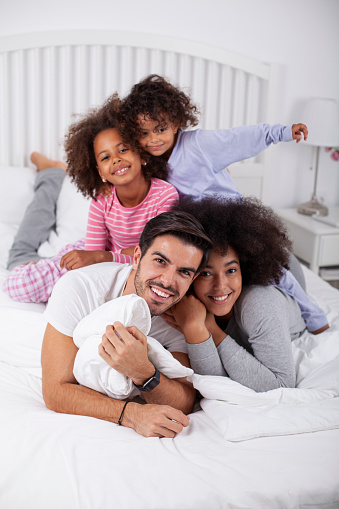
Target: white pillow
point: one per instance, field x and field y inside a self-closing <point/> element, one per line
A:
<point x="72" y="212"/>
<point x="71" y="219"/>
<point x="16" y="192"/>
<point x="92" y="371"/>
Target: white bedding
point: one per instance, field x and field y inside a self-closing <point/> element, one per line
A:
<point x="278" y="449"/>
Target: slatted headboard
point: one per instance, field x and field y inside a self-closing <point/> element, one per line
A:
<point x="46" y="77"/>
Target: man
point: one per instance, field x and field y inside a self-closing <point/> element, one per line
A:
<point x="172" y="250"/>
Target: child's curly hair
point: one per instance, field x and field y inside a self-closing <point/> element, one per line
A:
<point x="79" y="148"/>
<point x="156" y="98"/>
<point x="253" y="230"/>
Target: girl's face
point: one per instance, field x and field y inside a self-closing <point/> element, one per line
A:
<point x="157" y="138"/>
<point x="116" y="162"/>
<point x="219" y="285"/>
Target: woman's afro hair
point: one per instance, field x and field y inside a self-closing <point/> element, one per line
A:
<point x="253" y="230"/>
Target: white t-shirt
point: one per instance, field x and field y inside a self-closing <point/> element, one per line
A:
<point x="81" y="291"/>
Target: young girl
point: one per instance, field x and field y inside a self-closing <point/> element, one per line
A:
<point x="156" y="114"/>
<point x="125" y="194"/>
<point x="237" y="323"/>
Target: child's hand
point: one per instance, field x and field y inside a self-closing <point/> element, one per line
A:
<point x="298" y="130"/>
<point x="81" y="258"/>
<point x="128" y="251"/>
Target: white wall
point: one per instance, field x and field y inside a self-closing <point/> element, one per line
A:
<point x="301" y="36"/>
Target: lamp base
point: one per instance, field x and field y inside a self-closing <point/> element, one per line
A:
<point x="313" y="207"/>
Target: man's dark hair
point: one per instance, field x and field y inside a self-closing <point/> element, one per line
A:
<point x="181" y="225"/>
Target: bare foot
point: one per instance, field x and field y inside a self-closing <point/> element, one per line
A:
<point x="43" y="163"/>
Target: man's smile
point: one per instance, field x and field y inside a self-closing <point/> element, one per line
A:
<point x="160" y="293"/>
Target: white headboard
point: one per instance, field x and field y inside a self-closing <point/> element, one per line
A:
<point x="46" y="77"/>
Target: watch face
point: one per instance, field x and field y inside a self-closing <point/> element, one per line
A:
<point x="151" y="383"/>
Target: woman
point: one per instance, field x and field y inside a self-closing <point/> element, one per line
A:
<point x="235" y="321"/>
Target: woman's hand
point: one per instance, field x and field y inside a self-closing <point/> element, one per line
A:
<point x="191" y="318"/>
<point x="170" y="320"/>
<point x="218" y="335"/>
<point x="188" y="316"/>
<point x="81" y="258"/>
<point x="210" y="321"/>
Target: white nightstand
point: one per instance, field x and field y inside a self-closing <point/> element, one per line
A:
<point x="313" y="242"/>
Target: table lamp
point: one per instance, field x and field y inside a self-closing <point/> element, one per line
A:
<point x="322" y="119"/>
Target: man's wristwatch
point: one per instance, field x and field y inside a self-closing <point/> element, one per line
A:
<point x="150" y="384"/>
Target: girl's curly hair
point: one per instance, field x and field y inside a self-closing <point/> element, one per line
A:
<point x="79" y="148"/>
<point x="253" y="230"/>
<point x="156" y="98"/>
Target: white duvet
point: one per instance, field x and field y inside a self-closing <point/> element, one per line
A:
<point x="241" y="414"/>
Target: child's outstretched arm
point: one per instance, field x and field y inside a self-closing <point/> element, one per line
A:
<point x="298" y="130"/>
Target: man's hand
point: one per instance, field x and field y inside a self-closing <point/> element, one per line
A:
<point x="62" y="394"/>
<point x="298" y="130"/>
<point x="81" y="258"/>
<point x="154" y="420"/>
<point x="125" y="350"/>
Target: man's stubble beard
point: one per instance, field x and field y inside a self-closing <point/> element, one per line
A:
<point x="140" y="290"/>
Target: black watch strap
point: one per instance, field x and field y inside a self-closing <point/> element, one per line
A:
<point x="150" y="384"/>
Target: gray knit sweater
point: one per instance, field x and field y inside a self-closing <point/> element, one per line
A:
<point x="257" y="349"/>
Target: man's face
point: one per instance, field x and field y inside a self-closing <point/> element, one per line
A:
<point x="165" y="272"/>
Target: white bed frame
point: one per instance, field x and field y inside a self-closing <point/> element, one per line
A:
<point x="47" y="77"/>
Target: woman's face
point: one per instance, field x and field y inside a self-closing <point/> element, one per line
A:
<point x="219" y="285"/>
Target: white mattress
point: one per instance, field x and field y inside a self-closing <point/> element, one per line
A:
<point x="241" y="449"/>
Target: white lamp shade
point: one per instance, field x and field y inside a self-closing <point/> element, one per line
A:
<point x="322" y="119"/>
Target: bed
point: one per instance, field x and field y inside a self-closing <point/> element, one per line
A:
<point x="278" y="449"/>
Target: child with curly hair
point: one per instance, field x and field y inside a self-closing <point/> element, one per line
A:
<point x="126" y="192"/>
<point x="235" y="322"/>
<point x="156" y="113"/>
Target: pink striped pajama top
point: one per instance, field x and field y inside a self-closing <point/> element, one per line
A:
<point x="112" y="227"/>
